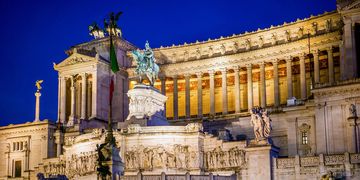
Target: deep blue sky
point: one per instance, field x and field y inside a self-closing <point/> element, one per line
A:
<point x="35" y="34"/>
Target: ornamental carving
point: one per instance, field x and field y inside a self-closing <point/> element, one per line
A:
<point x="55" y="168"/>
<point x="334" y="159"/>
<point x="219" y="159"/>
<point x="82" y="164"/>
<point x="76" y="60"/>
<point x="170" y="157"/>
<point x="354" y="158"/>
<point x="310" y="161"/>
<point x="73" y="166"/>
<point x="285" y="163"/>
<point x="145" y="102"/>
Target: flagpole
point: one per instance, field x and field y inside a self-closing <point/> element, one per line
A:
<point x="110" y="138"/>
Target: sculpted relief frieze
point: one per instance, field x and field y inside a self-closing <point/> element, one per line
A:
<point x="73" y="166"/>
<point x="160" y="157"/>
<point x="219" y="159"/>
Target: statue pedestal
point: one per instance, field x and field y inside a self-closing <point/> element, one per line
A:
<point x="260" y="161"/>
<point x="146" y="106"/>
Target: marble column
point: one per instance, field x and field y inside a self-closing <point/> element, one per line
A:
<point x="63" y="100"/>
<point x="175" y="98"/>
<point x="72" y="104"/>
<point x="37" y="106"/>
<point x="331" y="65"/>
<point x="224" y="91"/>
<point x="289" y="77"/>
<point x="263" y="84"/>
<point x="94" y="95"/>
<point x="83" y="96"/>
<point x="302" y="76"/>
<point x="212" y="92"/>
<point x="59" y="100"/>
<point x="199" y="94"/>
<point x="276" y="83"/>
<point x="249" y="86"/>
<point x="163" y="91"/>
<point x="237" y="90"/>
<point x="187" y="95"/>
<point x="316" y="67"/>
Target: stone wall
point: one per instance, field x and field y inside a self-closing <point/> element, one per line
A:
<point x="313" y="167"/>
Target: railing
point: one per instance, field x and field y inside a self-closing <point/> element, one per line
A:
<point x="186" y="176"/>
<point x="317" y="166"/>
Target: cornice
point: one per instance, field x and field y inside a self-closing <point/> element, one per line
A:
<point x="75" y="59"/>
<point x="28" y="127"/>
<point x="351" y="87"/>
<point x="237" y="42"/>
<point x="119" y="42"/>
<point x="250" y="57"/>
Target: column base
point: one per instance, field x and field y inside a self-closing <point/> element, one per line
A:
<point x="71" y="122"/>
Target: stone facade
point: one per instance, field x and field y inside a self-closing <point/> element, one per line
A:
<point x="306" y="73"/>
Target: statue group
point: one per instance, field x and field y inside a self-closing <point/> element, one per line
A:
<point x="261" y="122"/>
<point x="146" y="64"/>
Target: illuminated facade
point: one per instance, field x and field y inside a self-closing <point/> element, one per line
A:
<point x="306" y="73"/>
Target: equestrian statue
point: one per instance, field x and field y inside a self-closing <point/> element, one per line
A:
<point x="146" y="64"/>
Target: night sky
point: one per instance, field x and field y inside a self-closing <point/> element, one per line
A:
<point x="35" y="34"/>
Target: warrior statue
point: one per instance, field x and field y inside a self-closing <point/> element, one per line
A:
<point x="261" y="122"/>
<point x="146" y="64"/>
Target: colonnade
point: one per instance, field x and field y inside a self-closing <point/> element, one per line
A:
<point x="87" y="97"/>
<point x="250" y="94"/>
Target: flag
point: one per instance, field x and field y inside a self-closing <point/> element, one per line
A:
<point x="114" y="68"/>
<point x="113" y="61"/>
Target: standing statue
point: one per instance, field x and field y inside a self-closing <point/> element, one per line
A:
<point x="146" y="64"/>
<point x="352" y="110"/>
<point x="38" y="85"/>
<point x="261" y="122"/>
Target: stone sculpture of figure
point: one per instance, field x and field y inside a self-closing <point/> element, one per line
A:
<point x="267" y="124"/>
<point x="38" y="85"/>
<point x="257" y="123"/>
<point x="261" y="122"/>
<point x="146" y="64"/>
<point x="352" y="110"/>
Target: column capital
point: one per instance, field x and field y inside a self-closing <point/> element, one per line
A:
<point x="262" y="64"/>
<point x="236" y="68"/>
<point x="315" y="52"/>
<point x="288" y="58"/>
<point x="275" y="61"/>
<point x="174" y="76"/>
<point x="211" y="72"/>
<point x="162" y="78"/>
<point x="248" y="65"/>
<point x="187" y="75"/>
<point x="302" y="55"/>
<point x="329" y="49"/>
<point x="84" y="74"/>
<point x="199" y="74"/>
<point x="223" y="70"/>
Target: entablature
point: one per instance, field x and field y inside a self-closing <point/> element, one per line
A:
<point x="273" y="36"/>
<point x="283" y="51"/>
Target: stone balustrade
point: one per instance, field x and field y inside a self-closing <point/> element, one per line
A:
<point x="313" y="167"/>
